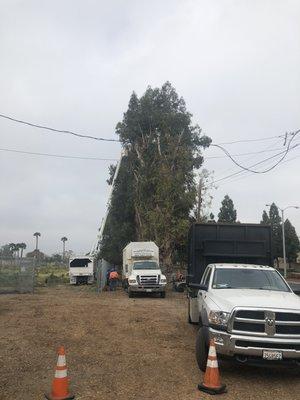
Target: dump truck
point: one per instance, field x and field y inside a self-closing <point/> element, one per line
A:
<point x="141" y="269"/>
<point x="238" y="299"/>
<point x="81" y="270"/>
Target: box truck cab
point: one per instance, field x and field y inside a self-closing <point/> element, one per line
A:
<point x="141" y="270"/>
<point x="81" y="270"/>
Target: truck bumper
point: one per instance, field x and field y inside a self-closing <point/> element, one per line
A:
<point x="144" y="289"/>
<point x="80" y="279"/>
<point x="245" y="348"/>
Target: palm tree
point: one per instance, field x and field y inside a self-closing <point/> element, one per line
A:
<point x="22" y="246"/>
<point x="64" y="239"/>
<point x="13" y="248"/>
<point x="36" y="234"/>
<point x="18" y="248"/>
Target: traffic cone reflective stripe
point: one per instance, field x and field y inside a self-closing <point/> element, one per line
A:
<point x="212" y="363"/>
<point x="212" y="350"/>
<point x="60" y="384"/>
<point x="212" y="383"/>
<point x="61" y="362"/>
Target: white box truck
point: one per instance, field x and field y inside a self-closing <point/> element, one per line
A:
<point x="81" y="270"/>
<point x="141" y="270"/>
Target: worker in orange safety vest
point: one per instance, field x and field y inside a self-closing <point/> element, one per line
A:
<point x="113" y="280"/>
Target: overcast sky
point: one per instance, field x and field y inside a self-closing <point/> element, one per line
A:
<point x="73" y="64"/>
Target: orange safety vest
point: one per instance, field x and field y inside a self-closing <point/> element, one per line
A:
<point x="113" y="275"/>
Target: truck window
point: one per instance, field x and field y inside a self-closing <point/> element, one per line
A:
<point x="145" y="265"/>
<point x="243" y="278"/>
<point x="80" y="263"/>
<point x="207" y="277"/>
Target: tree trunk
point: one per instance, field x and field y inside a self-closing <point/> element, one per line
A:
<point x="167" y="257"/>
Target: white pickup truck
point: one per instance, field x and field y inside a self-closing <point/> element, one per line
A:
<point x="238" y="298"/>
<point x="251" y="313"/>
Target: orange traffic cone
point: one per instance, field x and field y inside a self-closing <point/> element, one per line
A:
<point x="60" y="383"/>
<point x="212" y="383"/>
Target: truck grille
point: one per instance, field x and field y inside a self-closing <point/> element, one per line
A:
<point x="266" y="345"/>
<point x="266" y="322"/>
<point x="148" y="280"/>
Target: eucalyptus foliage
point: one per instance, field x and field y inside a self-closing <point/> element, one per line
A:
<point x="163" y="150"/>
<point x="227" y="211"/>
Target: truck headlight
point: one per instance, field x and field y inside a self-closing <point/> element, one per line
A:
<point x="132" y="281"/>
<point x="163" y="280"/>
<point x="218" y="318"/>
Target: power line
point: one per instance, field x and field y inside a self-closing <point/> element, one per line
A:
<point x="268" y="148"/>
<point x="58" y="155"/>
<point x="57" y="130"/>
<point x="258" y="163"/>
<point x="248" y="174"/>
<point x="254" y="140"/>
<point x="285" y="152"/>
<point x="116" y="140"/>
<point x="242" y="154"/>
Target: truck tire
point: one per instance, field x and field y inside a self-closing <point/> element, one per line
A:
<point x="189" y="314"/>
<point x="130" y="294"/>
<point x="162" y="295"/>
<point x="201" y="349"/>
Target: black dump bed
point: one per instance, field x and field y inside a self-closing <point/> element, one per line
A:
<point x="227" y="243"/>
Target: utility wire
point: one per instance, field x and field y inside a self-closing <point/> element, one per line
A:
<point x="285" y="152"/>
<point x="242" y="154"/>
<point x="57" y="130"/>
<point x="116" y="140"/>
<point x="248" y="174"/>
<point x="249" y="159"/>
<point x="106" y="159"/>
<point x="213" y="145"/>
<point x="258" y="163"/>
<point x="254" y="140"/>
<point x="58" y="155"/>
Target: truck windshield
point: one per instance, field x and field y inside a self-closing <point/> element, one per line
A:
<point x="80" y="262"/>
<point x="145" y="265"/>
<point x="234" y="278"/>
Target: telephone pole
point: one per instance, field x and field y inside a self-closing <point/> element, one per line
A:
<point x="199" y="202"/>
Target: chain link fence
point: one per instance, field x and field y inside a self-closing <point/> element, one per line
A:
<point x="17" y="276"/>
<point x="23" y="275"/>
<point x="101" y="267"/>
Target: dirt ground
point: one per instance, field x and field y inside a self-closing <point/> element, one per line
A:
<point x="117" y="348"/>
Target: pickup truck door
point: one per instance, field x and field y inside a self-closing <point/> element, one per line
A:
<point x="203" y="293"/>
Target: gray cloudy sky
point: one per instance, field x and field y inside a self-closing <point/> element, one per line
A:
<point x="73" y="64"/>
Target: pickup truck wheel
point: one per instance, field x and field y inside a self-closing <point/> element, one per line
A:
<point x="162" y="295"/>
<point x="189" y="315"/>
<point x="201" y="349"/>
<point x="130" y="294"/>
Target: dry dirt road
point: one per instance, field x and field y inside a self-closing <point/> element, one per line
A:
<point x="117" y="348"/>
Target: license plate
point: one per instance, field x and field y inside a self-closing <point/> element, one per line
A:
<point x="148" y="290"/>
<point x="272" y="355"/>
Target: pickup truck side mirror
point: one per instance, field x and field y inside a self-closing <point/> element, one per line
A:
<point x="199" y="286"/>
